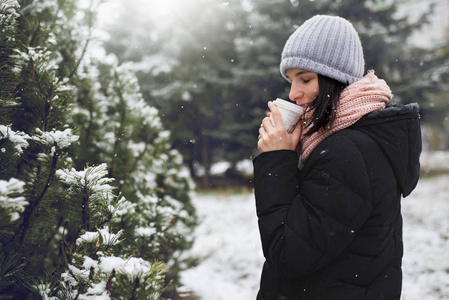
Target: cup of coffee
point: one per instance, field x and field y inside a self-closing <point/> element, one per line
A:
<point x="290" y="113"/>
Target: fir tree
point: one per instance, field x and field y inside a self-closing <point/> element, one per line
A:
<point x="118" y="127"/>
<point x="184" y="67"/>
<point x="93" y="201"/>
<point x="434" y="87"/>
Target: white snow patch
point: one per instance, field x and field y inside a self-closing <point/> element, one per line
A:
<point x="426" y="240"/>
<point x="17" y="137"/>
<point x="219" y="168"/>
<point x="227" y="241"/>
<point x="133" y="266"/>
<point x="61" y="138"/>
<point x="88" y="237"/>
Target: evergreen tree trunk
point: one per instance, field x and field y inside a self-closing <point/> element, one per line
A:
<point x="206" y="161"/>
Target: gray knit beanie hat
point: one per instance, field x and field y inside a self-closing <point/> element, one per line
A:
<point x="326" y="45"/>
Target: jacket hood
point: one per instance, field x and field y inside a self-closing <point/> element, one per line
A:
<point x="397" y="131"/>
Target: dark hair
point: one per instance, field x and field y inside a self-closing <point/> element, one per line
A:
<point x="325" y="104"/>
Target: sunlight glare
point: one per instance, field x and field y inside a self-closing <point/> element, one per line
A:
<point x="157" y="10"/>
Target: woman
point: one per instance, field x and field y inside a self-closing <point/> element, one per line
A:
<point x="328" y="194"/>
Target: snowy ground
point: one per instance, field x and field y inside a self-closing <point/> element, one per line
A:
<point x="227" y="242"/>
<point x="426" y="240"/>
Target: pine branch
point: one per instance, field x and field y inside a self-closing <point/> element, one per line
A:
<point x="105" y="221"/>
<point x="68" y="267"/>
<point x="47" y="109"/>
<point x="80" y="59"/>
<point x="97" y="247"/>
<point x="109" y="283"/>
<point x="51" y="236"/>
<point x="32" y="207"/>
<point x="133" y="167"/>
<point x="136" y="285"/>
<point x="67" y="264"/>
<point x="35" y="33"/>
<point x="85" y="209"/>
<point x="41" y="89"/>
<point x="11" y="271"/>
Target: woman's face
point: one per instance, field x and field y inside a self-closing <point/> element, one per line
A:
<point x="304" y="88"/>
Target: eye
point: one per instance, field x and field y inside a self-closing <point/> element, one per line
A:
<point x="306" y="80"/>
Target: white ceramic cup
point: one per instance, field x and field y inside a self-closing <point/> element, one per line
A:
<point x="290" y="113"/>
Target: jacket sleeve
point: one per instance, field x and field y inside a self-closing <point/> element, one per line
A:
<point x="303" y="228"/>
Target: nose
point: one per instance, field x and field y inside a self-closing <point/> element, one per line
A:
<point x="296" y="93"/>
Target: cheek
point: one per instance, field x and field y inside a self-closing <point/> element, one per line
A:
<point x="313" y="93"/>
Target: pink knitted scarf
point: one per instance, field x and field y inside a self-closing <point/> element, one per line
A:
<point x="366" y="95"/>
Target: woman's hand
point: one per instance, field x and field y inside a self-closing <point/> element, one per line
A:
<point x="276" y="138"/>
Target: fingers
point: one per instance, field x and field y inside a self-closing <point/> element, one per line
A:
<point x="262" y="131"/>
<point x="260" y="143"/>
<point x="266" y="124"/>
<point x="275" y="113"/>
<point x="263" y="136"/>
<point x="276" y="137"/>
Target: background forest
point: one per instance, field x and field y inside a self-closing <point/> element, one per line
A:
<point x="210" y="67"/>
<point x="113" y="112"/>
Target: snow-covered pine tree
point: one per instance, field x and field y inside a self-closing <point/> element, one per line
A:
<point x="69" y="234"/>
<point x="91" y="250"/>
<point x="118" y="127"/>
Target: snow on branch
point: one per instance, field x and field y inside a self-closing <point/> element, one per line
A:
<point x="36" y="7"/>
<point x="38" y="55"/>
<point x="135" y="267"/>
<point x="18" y="138"/>
<point x="10" y="197"/>
<point x="92" y="186"/>
<point x="107" y="238"/>
<point x="62" y="139"/>
<point x="9" y="8"/>
<point x="91" y="277"/>
<point x="92" y="177"/>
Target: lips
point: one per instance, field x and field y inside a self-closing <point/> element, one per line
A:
<point x="304" y="105"/>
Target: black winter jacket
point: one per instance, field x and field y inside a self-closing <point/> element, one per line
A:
<point x="333" y="229"/>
